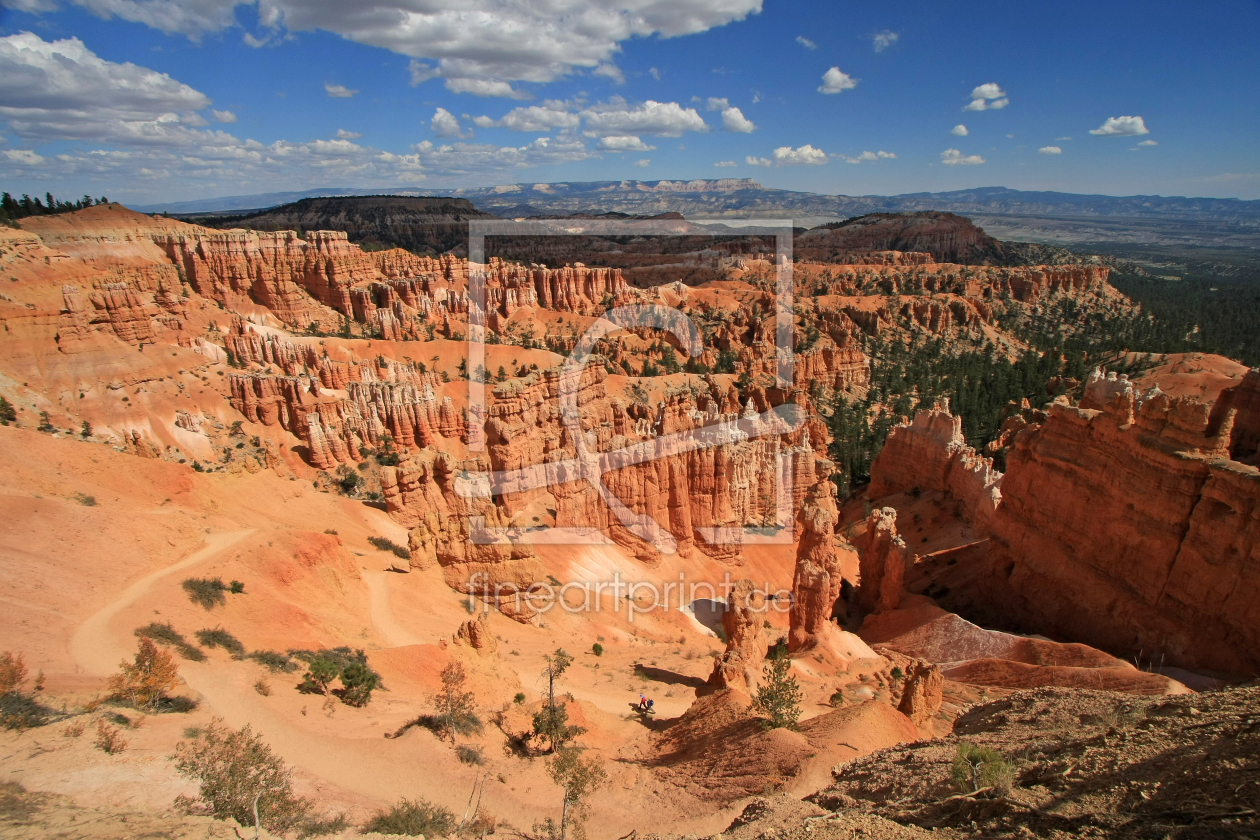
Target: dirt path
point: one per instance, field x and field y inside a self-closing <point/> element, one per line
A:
<point x="94" y="649"/>
<point x="382" y="614"/>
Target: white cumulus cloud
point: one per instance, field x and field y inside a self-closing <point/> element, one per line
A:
<point x="732" y="118"/>
<point x="339" y="91"/>
<point x="223" y="116"/>
<point x="959" y="130"/>
<point x="643" y="162"/>
<point x="1149" y="143"/>
<point x="867" y="157"/>
<point x="53" y="90"/>
<point x="489" y="41"/>
<point x="444" y="124"/>
<point x="833" y="81"/>
<point x="610" y="71"/>
<point x="952" y="157"/>
<point x="1050" y="150"/>
<point x="1121" y="127"/>
<point x="22" y="157"/>
<point x="622" y="143"/>
<point x="724" y="163"/>
<point x="884" y="40"/>
<point x="987" y="97"/>
<point x="805" y="155"/>
<point x="543" y="117"/>
<point x="663" y="119"/>
<point x="806" y="43"/>
<point x="342" y="134"/>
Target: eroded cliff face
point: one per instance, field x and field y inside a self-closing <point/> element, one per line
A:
<point x="1130" y="529"/>
<point x="929" y="453"/>
<point x="1243" y="400"/>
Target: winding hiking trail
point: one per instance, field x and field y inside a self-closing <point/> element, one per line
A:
<point x="94" y="649"/>
<point x="382" y="614"/>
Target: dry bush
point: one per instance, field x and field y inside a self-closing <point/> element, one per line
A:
<point x="108" y="738"/>
<point x="146" y="681"/>
<point x="976" y="768"/>
<point x="208" y="592"/>
<point x="262" y="687"/>
<point x="168" y="635"/>
<point x="218" y="637"/>
<point x="232" y="769"/>
<point x="412" y="818"/>
<point x="76" y="728"/>
<point x="12" y="672"/>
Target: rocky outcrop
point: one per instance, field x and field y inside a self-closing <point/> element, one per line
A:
<point x="476" y="634"/>
<point x="289" y="275"/>
<point x="402" y="409"/>
<point x="739" y="666"/>
<point x="478" y="559"/>
<point x="574" y="288"/>
<point x="922" y="693"/>
<point x="817" y="580"/>
<point x="931" y="454"/>
<point x="884" y="558"/>
<point x="1243" y="400"/>
<point x="1129" y="529"/>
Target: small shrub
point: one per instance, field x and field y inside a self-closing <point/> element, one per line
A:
<point x="108" y="738"/>
<point x="358" y="681"/>
<point x="12" y="672"/>
<point x="167" y="635"/>
<point x="383" y="544"/>
<point x="597" y="649"/>
<point x="146" y="681"/>
<point x="837" y="698"/>
<point x="205" y="591"/>
<point x="8" y="414"/>
<point x="319" y="676"/>
<point x="412" y="818"/>
<point x="896" y="674"/>
<point x="469" y="754"/>
<point x="85" y="500"/>
<point x="232" y="768"/>
<point x="21" y="711"/>
<point x="324" y="827"/>
<point x="277" y="663"/>
<point x="76" y="728"/>
<point x="262" y="686"/>
<point x="976" y="768"/>
<point x="220" y="638"/>
<point x="519" y="698"/>
<point x="236" y="587"/>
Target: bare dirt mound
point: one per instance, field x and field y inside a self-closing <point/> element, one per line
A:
<point x="971" y="654"/>
<point x="718" y="750"/>
<point x="1078" y="763"/>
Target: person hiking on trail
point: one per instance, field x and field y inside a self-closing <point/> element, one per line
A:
<point x="643" y="702"/>
<point x="649" y="705"/>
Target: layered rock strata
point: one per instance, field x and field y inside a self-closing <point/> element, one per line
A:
<point x="930" y="453"/>
<point x="1130" y="529"/>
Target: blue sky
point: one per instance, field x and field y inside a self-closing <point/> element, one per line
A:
<point x="153" y="100"/>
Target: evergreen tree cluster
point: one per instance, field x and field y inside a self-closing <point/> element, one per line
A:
<point x="1065" y="341"/>
<point x="12" y="209"/>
